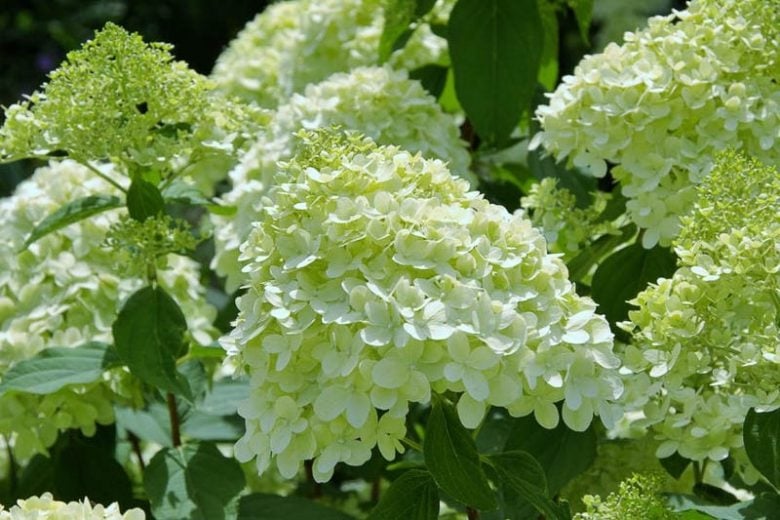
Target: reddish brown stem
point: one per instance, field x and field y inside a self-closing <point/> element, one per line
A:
<point x="173" y="413"/>
<point x="472" y="513"/>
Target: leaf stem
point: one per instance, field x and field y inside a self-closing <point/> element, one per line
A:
<point x="472" y="513"/>
<point x="105" y="177"/>
<point x="174" y="415"/>
<point x="136" y="445"/>
<point x="412" y="444"/>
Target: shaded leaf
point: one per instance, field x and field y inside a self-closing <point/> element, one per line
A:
<point x="71" y="213"/>
<point x="194" y="482"/>
<point x="432" y="77"/>
<point x="495" y="47"/>
<point x="522" y="474"/>
<point x="561" y="452"/>
<point x="761" y="434"/>
<point x="412" y="496"/>
<point x="149" y="336"/>
<point x="56" y="367"/>
<point x="259" y="506"/>
<point x="623" y="274"/>
<point x="451" y="457"/>
<point x="144" y="200"/>
<point x="583" y="12"/>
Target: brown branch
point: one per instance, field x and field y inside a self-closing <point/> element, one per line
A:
<point x="173" y="413"/>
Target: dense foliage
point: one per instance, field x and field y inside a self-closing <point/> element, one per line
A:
<point x="414" y="310"/>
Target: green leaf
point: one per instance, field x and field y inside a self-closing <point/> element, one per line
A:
<point x="495" y="48"/>
<point x="412" y="496"/>
<point x="432" y="77"/>
<point x="259" y="506"/>
<point x="562" y="453"/>
<point x="761" y="434"/>
<point x="451" y="457"/>
<point x="56" y="367"/>
<point x="79" y="467"/>
<point x="398" y="15"/>
<point x="73" y="212"/>
<point x="522" y="474"/>
<point x="152" y="424"/>
<point x="184" y="193"/>
<point x="623" y="274"/>
<point x="149" y="336"/>
<point x="581" y="265"/>
<point x="195" y="482"/>
<point x="675" y="464"/>
<point x="583" y="12"/>
<point x="144" y="200"/>
<point x="683" y="503"/>
<point x="548" y="68"/>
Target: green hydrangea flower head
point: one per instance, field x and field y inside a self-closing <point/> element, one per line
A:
<point x="661" y="105"/>
<point x="36" y="508"/>
<point x="299" y="42"/>
<point x="638" y="497"/>
<point x="705" y="343"/>
<point x="63" y="290"/>
<point x="379" y="102"/>
<point x="566" y="227"/>
<point x="122" y="100"/>
<point x="376" y="278"/>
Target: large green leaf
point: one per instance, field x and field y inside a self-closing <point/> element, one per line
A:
<point x="259" y="506"/>
<point x="78" y="467"/>
<point x="623" y="274"/>
<point x="149" y="336"/>
<point x="583" y="12"/>
<point x="56" y="367"/>
<point x="548" y="68"/>
<point x="152" y="424"/>
<point x="495" y="48"/>
<point x="520" y="473"/>
<point x="195" y="482"/>
<point x="144" y="200"/>
<point x="452" y="458"/>
<point x="73" y="212"/>
<point x="761" y="433"/>
<point x="562" y="453"/>
<point x="412" y="496"/>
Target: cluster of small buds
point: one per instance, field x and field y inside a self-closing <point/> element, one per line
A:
<point x="705" y="345"/>
<point x="660" y="106"/>
<point x="63" y="290"/>
<point x="299" y="42"/>
<point x="39" y="508"/>
<point x="376" y="278"/>
<point x="566" y="227"/>
<point x="379" y="102"/>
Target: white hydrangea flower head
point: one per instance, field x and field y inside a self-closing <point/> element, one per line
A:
<point x="45" y="507"/>
<point x="295" y="43"/>
<point x="660" y="106"/>
<point x="382" y="103"/>
<point x="63" y="290"/>
<point x="705" y="343"/>
<point x="376" y="278"/>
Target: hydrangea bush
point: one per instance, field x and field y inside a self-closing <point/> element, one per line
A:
<point x="411" y="314"/>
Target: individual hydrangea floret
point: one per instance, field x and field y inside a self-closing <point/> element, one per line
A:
<point x="295" y="43"/>
<point x="122" y="100"/>
<point x="38" y="508"/>
<point x="660" y="106"/>
<point x="705" y="343"/>
<point x="376" y="278"/>
<point x="63" y="290"/>
<point x="379" y="102"/>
